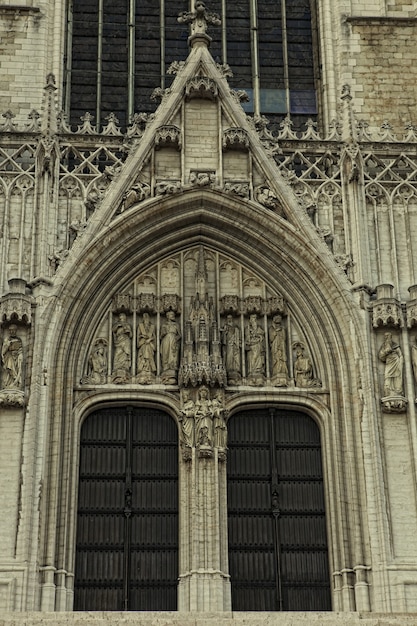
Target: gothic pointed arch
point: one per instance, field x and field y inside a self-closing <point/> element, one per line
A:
<point x="158" y="258"/>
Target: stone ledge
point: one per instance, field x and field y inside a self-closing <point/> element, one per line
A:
<point x="101" y="618"/>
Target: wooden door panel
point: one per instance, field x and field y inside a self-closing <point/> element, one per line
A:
<point x="127" y="529"/>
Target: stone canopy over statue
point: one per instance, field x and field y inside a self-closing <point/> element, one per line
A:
<point x="199" y="319"/>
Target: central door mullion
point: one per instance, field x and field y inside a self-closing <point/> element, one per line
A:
<point x="128" y="509"/>
<point x="275" y="509"/>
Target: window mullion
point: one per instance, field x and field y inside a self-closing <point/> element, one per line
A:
<point x="99" y="61"/>
<point x="131" y="61"/>
<point x="285" y="56"/>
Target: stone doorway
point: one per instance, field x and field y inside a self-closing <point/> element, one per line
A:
<point x="278" y="554"/>
<point x="127" y="524"/>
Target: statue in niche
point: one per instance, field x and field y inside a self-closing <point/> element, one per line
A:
<point x="122" y="339"/>
<point x="219" y="421"/>
<point x="204" y="418"/>
<point x="170" y="349"/>
<point x="97" y="363"/>
<point x="255" y="352"/>
<point x="391" y="354"/>
<point x="12" y="359"/>
<point x="277" y="342"/>
<point x="232" y="351"/>
<point x="303" y="369"/>
<point x="186" y="419"/>
<point x="146" y="341"/>
<point x="414" y="358"/>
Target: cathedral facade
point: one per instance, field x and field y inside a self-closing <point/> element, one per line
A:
<point x="208" y="307"/>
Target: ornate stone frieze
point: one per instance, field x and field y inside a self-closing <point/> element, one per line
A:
<point x="201" y="178"/>
<point x="168" y="136"/>
<point x="138" y="193"/>
<point x="197" y="319"/>
<point x="167" y="187"/>
<point x="235" y="139"/>
<point x="265" y="196"/>
<point x="201" y="87"/>
<point x="239" y="188"/>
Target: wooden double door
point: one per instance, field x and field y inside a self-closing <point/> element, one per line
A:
<point x="127" y="526"/>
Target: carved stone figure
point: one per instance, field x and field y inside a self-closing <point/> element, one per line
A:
<point x="303" y="369"/>
<point x="146" y="341"/>
<point x="204" y="418"/>
<point x="170" y="348"/>
<point x="12" y="359"/>
<point x="390" y="353"/>
<point x="186" y="418"/>
<point x="231" y="351"/>
<point x="97" y="363"/>
<point x="122" y="359"/>
<point x="414" y="358"/>
<point x="219" y="421"/>
<point x="277" y="342"/>
<point x="255" y="352"/>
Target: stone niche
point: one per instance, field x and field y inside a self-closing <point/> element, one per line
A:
<point x="199" y="318"/>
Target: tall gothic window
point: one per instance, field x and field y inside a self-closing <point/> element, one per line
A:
<point x="118" y="51"/>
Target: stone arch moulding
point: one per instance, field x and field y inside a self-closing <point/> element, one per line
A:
<point x="317" y="298"/>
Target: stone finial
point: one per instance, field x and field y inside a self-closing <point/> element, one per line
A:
<point x="199" y="19"/>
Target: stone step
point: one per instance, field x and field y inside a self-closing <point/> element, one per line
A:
<point x="90" y="618"/>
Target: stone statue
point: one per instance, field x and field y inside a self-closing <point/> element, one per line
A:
<point x="204" y="418"/>
<point x="414" y="358"/>
<point x="277" y="343"/>
<point x="170" y="349"/>
<point x="186" y="419"/>
<point x="146" y="341"/>
<point x="255" y="352"/>
<point x="122" y="359"/>
<point x="390" y="353"/>
<point x="231" y="351"/>
<point x="303" y="369"/>
<point x="97" y="363"/>
<point x="12" y="359"/>
<point x="219" y="421"/>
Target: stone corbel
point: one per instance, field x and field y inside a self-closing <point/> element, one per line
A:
<point x="16" y="306"/>
<point x="201" y="87"/>
<point x="235" y="139"/>
<point x="168" y="136"/>
<point x="394" y="404"/>
<point x="386" y="310"/>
